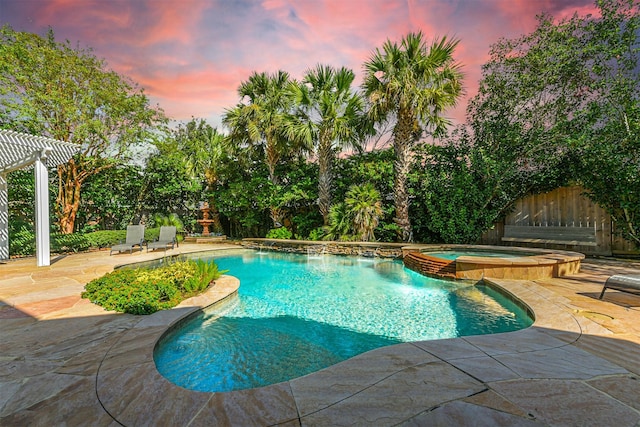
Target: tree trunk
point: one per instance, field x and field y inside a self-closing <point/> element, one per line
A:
<point x="325" y="157"/>
<point x="276" y="216"/>
<point x="272" y="160"/>
<point x="68" y="196"/>
<point x="215" y="215"/>
<point x="402" y="139"/>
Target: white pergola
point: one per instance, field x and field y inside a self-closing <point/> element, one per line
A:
<point x="19" y="151"/>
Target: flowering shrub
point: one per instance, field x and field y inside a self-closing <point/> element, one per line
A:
<point x="147" y="290"/>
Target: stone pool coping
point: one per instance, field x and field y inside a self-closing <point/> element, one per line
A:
<point x="500" y="377"/>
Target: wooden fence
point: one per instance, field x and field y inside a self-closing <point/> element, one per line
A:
<point x="563" y="207"/>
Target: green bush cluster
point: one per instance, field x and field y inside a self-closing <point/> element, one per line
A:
<point x="22" y="241"/>
<point x="69" y="242"/>
<point x="147" y="290"/>
<point x="106" y="238"/>
<point x="279" y="233"/>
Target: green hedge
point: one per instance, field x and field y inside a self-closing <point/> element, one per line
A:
<point x="147" y="290"/>
<point x="22" y="240"/>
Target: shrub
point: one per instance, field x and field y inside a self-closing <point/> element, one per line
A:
<point x="316" y="234"/>
<point x="147" y="290"/>
<point x="279" y="233"/>
<point x="22" y="241"/>
<point x="69" y="242"/>
<point x="151" y="234"/>
<point x="106" y="238"/>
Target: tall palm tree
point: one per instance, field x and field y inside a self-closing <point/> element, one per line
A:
<point x="332" y="118"/>
<point x="204" y="148"/>
<point x="414" y="84"/>
<point x="259" y="122"/>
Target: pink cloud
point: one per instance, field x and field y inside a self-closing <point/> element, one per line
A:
<point x="190" y="56"/>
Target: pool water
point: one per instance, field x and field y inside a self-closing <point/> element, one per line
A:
<point x="296" y="314"/>
<point x="453" y="255"/>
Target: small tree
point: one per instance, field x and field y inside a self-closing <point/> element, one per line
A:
<point x="562" y="103"/>
<point x="52" y="89"/>
<point x="365" y="208"/>
<point x="357" y="217"/>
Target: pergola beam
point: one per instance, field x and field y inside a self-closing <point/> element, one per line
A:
<point x="19" y="151"/>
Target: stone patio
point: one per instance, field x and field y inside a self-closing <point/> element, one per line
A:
<point x="65" y="361"/>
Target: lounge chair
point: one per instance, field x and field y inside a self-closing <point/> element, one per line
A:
<point x="624" y="283"/>
<point x="166" y="240"/>
<point x="135" y="237"/>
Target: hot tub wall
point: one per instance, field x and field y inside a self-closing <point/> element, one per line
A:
<point x="540" y="265"/>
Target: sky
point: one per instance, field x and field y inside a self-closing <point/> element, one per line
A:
<point x="190" y="56"/>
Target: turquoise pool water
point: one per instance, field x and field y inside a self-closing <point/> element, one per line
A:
<point x="452" y="255"/>
<point x="296" y="314"/>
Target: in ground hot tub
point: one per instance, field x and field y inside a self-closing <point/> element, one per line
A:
<point x="477" y="262"/>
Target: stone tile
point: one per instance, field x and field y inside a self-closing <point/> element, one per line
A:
<point x="74" y="405"/>
<point x="398" y="397"/>
<point x="567" y="403"/>
<point x="7" y="390"/>
<point x="485" y="369"/>
<point x="328" y="386"/>
<point x="450" y="349"/>
<point x="165" y="318"/>
<point x="621" y="351"/>
<point x="565" y="362"/>
<point x="134" y="348"/>
<point x="526" y="340"/>
<point x="37" y="389"/>
<point x="492" y="400"/>
<point x="141" y="396"/>
<point x="272" y="405"/>
<point x="624" y="388"/>
<point x="22" y="368"/>
<point x="88" y="361"/>
<point x="9" y="312"/>
<point x="466" y="414"/>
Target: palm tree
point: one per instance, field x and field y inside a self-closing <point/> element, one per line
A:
<point x="340" y="223"/>
<point x="259" y="122"/>
<point x="364" y="206"/>
<point x="204" y="148"/>
<point x="331" y="119"/>
<point x="413" y="84"/>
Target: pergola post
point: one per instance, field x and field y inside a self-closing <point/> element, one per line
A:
<point x="43" y="252"/>
<point x="4" y="218"/>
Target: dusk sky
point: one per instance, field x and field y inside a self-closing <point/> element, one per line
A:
<point x="191" y="55"/>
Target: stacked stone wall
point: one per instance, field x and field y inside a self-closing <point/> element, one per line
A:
<point x="364" y="249"/>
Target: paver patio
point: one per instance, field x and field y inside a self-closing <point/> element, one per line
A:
<point x="65" y="361"/>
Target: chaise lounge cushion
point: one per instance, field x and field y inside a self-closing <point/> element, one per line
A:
<point x="135" y="237"/>
<point x="166" y="239"/>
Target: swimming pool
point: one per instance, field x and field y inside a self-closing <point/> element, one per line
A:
<point x="297" y="314"/>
